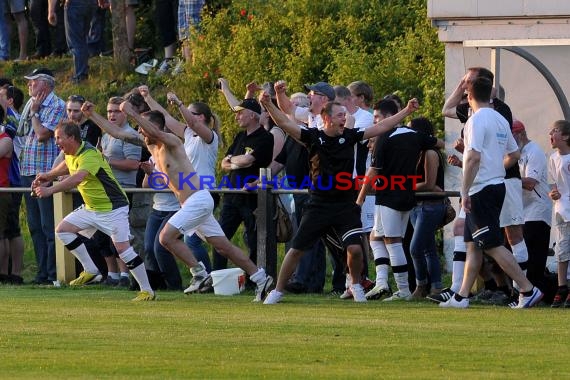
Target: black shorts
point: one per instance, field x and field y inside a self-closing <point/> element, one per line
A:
<point x="482" y="223"/>
<point x="341" y="219"/>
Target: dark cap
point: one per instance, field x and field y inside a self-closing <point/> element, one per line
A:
<point x="323" y="88"/>
<point x="41" y="73"/>
<point x="249" y="104"/>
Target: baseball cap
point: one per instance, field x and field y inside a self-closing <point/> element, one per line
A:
<point x="248" y="104"/>
<point x="323" y="88"/>
<point x="518" y="126"/>
<point x="41" y="73"/>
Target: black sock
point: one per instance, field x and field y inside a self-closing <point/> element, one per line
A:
<point x="563" y="288"/>
<point x="529" y="293"/>
<point x="458" y="297"/>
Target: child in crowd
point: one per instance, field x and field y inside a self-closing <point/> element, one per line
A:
<point x="559" y="169"/>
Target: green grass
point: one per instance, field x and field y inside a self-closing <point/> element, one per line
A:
<point x="99" y="333"/>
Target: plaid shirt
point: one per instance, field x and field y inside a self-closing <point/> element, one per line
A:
<point x="38" y="157"/>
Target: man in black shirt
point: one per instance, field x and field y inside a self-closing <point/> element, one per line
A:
<point x="251" y="150"/>
<point x="331" y="209"/>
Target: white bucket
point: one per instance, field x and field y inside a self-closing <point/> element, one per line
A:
<point x="228" y="282"/>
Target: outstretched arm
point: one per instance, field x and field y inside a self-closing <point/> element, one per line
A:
<point x="280" y="118"/>
<point x="283" y="100"/>
<point x="453" y="100"/>
<point x="174" y="125"/>
<point x="106" y="126"/>
<point x="149" y="129"/>
<point x="390" y="122"/>
<point x="228" y="94"/>
<point x="199" y="128"/>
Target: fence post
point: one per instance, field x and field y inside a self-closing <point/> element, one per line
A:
<point x="64" y="260"/>
<point x="266" y="243"/>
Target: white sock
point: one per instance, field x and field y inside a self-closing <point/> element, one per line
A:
<point x="80" y="252"/>
<point x="124" y="274"/>
<point x="259" y="276"/>
<point x="520" y="252"/>
<point x="138" y="272"/>
<point x="458" y="263"/>
<point x="113" y="275"/>
<point x="382" y="261"/>
<point x="399" y="265"/>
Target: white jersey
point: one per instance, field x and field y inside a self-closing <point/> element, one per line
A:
<point x="202" y="155"/>
<point x="559" y="170"/>
<point x="488" y="133"/>
<point x="537" y="204"/>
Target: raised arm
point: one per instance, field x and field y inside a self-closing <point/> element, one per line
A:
<point x="283" y="101"/>
<point x="280" y="118"/>
<point x="453" y="100"/>
<point x="199" y="128"/>
<point x="230" y="97"/>
<point x="149" y="129"/>
<point x="390" y="122"/>
<point x="106" y="126"/>
<point x="174" y="125"/>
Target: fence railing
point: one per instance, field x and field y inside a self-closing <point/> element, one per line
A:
<point x="266" y="243"/>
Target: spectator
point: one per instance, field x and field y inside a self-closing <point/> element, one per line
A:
<point x="6" y="151"/>
<point x="106" y="207"/>
<point x="332" y="150"/>
<point x="165" y="12"/>
<point x="18" y="12"/>
<point x="489" y="148"/>
<point x="4" y="34"/>
<point x="251" y="150"/>
<point x="11" y="99"/>
<point x="559" y="165"/>
<point x="537" y="205"/>
<point x="88" y="130"/>
<point x="189" y="17"/>
<point x="426" y="217"/>
<point x="39" y="11"/>
<point x="41" y="114"/>
<point x="77" y="19"/>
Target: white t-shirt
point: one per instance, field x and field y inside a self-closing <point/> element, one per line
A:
<point x="362" y="119"/>
<point x="537" y="204"/>
<point x="305" y="116"/>
<point x="559" y="170"/>
<point x="488" y="133"/>
<point x="201" y="154"/>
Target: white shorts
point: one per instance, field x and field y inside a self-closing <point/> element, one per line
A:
<point x="196" y="216"/>
<point x="512" y="213"/>
<point x="367" y="215"/>
<point x="113" y="223"/>
<point x="389" y="222"/>
<point x="562" y="247"/>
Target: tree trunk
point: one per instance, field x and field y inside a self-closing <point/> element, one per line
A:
<point x="121" y="52"/>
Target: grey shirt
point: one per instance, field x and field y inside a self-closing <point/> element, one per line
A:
<point x="119" y="150"/>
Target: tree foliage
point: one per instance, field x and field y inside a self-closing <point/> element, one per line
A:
<point x="390" y="44"/>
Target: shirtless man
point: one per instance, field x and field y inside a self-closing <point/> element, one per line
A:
<point x="197" y="205"/>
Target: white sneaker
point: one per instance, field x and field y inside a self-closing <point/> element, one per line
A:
<point x="453" y="303"/>
<point x="273" y="297"/>
<point x="346" y="295"/>
<point x="400" y="295"/>
<point x="200" y="279"/>
<point x="530" y="301"/>
<point x="357" y="293"/>
<point x="262" y="288"/>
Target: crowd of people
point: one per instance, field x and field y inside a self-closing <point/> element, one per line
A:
<point x="78" y="28"/>
<point x="322" y="140"/>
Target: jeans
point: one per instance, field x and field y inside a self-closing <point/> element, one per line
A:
<point x="537" y="239"/>
<point x="96" y="35"/>
<point x="232" y="215"/>
<point x="38" y="15"/>
<point x="4" y="37"/>
<point x="41" y="225"/>
<point x="157" y="258"/>
<point x="425" y="219"/>
<point x="78" y="15"/>
<point x="200" y="252"/>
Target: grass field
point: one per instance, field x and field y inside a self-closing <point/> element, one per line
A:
<point x="98" y="333"/>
